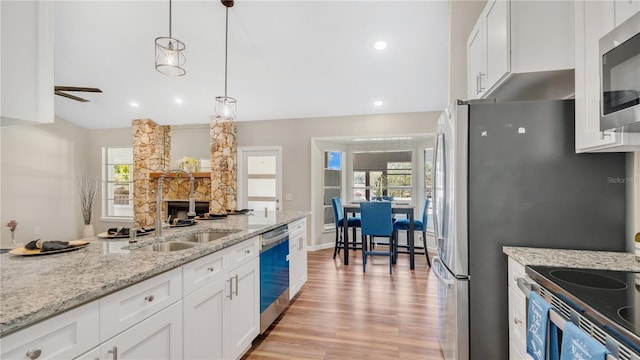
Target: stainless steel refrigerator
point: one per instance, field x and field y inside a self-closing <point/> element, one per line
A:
<point x="508" y="174"/>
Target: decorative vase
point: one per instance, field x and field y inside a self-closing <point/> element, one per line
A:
<point x="88" y="231"/>
<point x="13" y="237"/>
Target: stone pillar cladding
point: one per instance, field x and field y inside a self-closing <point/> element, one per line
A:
<point x="224" y="185"/>
<point x="151" y="153"/>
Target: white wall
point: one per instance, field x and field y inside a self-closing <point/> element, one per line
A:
<point x="39" y="165"/>
<point x="295" y="137"/>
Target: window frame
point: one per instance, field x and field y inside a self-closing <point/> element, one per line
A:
<point x="108" y="186"/>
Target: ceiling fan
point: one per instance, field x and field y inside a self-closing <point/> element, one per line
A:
<point x="61" y="90"/>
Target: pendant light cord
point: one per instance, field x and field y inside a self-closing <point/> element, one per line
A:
<point x="170" y="18"/>
<point x="226" y="39"/>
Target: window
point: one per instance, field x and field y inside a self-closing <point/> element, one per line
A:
<point x="428" y="185"/>
<point x="117" y="182"/>
<point x="332" y="183"/>
<point x="382" y="174"/>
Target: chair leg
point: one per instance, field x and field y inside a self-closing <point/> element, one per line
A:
<point x="336" y="248"/>
<point x="364" y="254"/>
<point x="392" y="246"/>
<point x="426" y="251"/>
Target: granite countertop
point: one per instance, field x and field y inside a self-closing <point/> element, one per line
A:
<point x="583" y="259"/>
<point x="33" y="288"/>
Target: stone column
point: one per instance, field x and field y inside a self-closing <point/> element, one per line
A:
<point x="224" y="186"/>
<point x="151" y="153"/>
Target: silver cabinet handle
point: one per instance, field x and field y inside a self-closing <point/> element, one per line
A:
<point x="33" y="354"/>
<point x="517" y="321"/>
<point x="114" y="351"/>
<point x="236" y="284"/>
<point x="210" y="268"/>
<point x="477" y="84"/>
<point x="480" y="76"/>
<point x="247" y="252"/>
<point x="148" y="298"/>
<point x="230" y="296"/>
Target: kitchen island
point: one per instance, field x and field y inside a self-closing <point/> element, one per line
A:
<point x="34" y="288"/>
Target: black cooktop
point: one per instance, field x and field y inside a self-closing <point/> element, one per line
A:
<point x="598" y="294"/>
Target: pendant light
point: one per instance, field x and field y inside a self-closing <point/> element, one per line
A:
<point x="170" y="53"/>
<point x="226" y="106"/>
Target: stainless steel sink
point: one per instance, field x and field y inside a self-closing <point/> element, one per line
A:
<point x="168" y="246"/>
<point x="205" y="236"/>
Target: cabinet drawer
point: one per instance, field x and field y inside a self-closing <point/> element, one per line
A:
<point x="131" y="305"/>
<point x="298" y="226"/>
<point x="517" y="317"/>
<point x="240" y="253"/>
<point x="201" y="272"/>
<point x="515" y="271"/>
<point x="64" y="336"/>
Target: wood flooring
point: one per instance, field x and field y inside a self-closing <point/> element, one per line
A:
<point x="343" y="313"/>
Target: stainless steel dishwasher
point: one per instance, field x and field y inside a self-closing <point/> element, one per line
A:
<point x="274" y="275"/>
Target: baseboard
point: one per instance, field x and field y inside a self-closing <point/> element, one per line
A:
<point x="320" y="247"/>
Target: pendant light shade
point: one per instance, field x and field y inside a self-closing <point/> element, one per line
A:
<point x="170" y="54"/>
<point x="226" y="107"/>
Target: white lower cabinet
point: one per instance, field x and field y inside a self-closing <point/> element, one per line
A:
<point x="243" y="312"/>
<point x="297" y="256"/>
<point x="221" y="317"/>
<point x="64" y="336"/>
<point x="203" y="314"/>
<point x="157" y="337"/>
<point x="517" y="313"/>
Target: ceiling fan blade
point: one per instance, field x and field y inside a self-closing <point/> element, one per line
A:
<point x="75" y="88"/>
<point x="71" y="96"/>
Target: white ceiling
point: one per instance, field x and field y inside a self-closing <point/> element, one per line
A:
<point x="287" y="59"/>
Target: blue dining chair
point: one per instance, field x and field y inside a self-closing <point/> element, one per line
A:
<point x="376" y="221"/>
<point x="352" y="222"/>
<point x="418" y="225"/>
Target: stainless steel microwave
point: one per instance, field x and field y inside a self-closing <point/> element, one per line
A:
<point x="620" y="77"/>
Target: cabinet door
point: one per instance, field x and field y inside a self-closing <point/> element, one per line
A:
<point x="294" y="265"/>
<point x="158" y="337"/>
<point x="242" y="308"/>
<point x="497" y="21"/>
<point x="476" y="61"/>
<point x="624" y="9"/>
<point x="64" y="336"/>
<point x="203" y="313"/>
<point x="593" y="20"/>
<point x="27" y="62"/>
<point x="517" y="319"/>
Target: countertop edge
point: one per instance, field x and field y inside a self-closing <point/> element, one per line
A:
<point x="581" y="259"/>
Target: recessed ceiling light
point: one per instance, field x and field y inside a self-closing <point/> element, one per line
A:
<point x="378" y="103"/>
<point x="380" y="45"/>
<point x="134" y="104"/>
<point x="178" y="100"/>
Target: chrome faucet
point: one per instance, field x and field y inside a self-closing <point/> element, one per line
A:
<point x="192" y="204"/>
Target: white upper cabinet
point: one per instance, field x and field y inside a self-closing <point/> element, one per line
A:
<point x="593" y="19"/>
<point x="476" y="61"/>
<point x="26" y="54"/>
<point x="522" y="50"/>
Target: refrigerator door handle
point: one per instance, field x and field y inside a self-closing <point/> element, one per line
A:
<point x="448" y="284"/>
<point x="436" y="202"/>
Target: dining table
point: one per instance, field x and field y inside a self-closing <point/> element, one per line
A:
<point x="407" y="210"/>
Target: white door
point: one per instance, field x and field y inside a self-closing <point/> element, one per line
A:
<point x="260" y="178"/>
